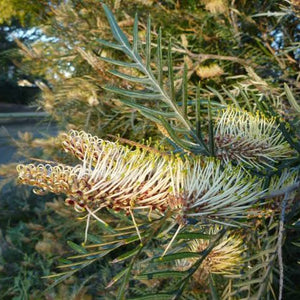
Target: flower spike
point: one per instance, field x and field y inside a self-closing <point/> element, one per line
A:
<point x="225" y="258"/>
<point x="121" y="178"/>
<point x="251" y="139"/>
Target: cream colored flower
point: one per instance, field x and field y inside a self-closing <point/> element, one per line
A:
<point x="250" y="139"/>
<point x="225" y="258"/>
<point x="122" y="178"/>
<point x="210" y="71"/>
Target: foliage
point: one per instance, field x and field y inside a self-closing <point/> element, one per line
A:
<point x="75" y="76"/>
<point x="244" y="111"/>
<point x="27" y="13"/>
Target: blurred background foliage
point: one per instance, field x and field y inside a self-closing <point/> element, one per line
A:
<point x="238" y="52"/>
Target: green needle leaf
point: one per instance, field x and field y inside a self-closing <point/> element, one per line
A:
<point x="144" y="109"/>
<point x="126" y="255"/>
<point x="142" y="80"/>
<point x="179" y="141"/>
<point x="159" y="59"/>
<point x="162" y="296"/>
<point x="110" y="44"/>
<point x="148" y="43"/>
<point x="184" y="91"/>
<point x="291" y="98"/>
<point x="211" y="131"/>
<point x="193" y="236"/>
<point x="117" y="32"/>
<point x="133" y="94"/>
<point x="119" y="62"/>
<point x="161" y="274"/>
<point x="117" y="278"/>
<point x="171" y="73"/>
<point x="136" y="34"/>
<point x="198" y="114"/>
<point x="77" y="248"/>
<point x="213" y="290"/>
<point x="175" y="256"/>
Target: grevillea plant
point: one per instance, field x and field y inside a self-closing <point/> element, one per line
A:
<point x="191" y="211"/>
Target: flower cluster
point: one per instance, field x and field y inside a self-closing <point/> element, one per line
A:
<point x="250" y="139"/>
<point x="225" y="258"/>
<point x="122" y="178"/>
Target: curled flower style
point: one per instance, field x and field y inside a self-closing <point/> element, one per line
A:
<point x="58" y="179"/>
<point x="225" y="258"/>
<point x="83" y="145"/>
<point x="121" y="178"/>
<point x="113" y="182"/>
<point x="248" y="138"/>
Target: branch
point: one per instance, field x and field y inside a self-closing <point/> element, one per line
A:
<point x="279" y="243"/>
<point x="202" y="57"/>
